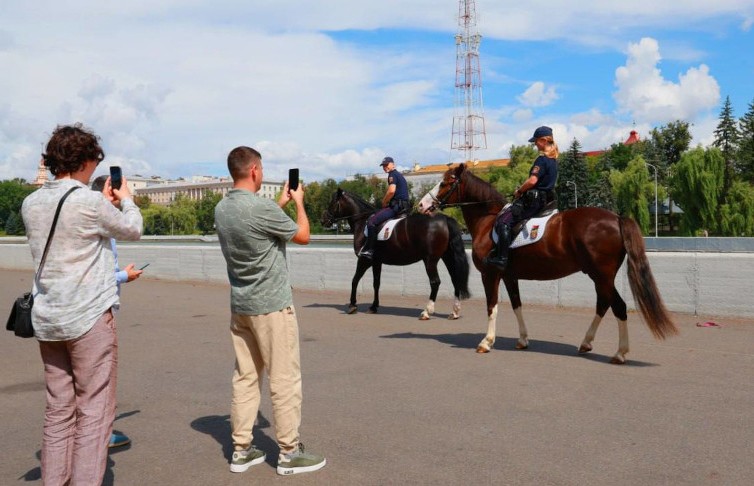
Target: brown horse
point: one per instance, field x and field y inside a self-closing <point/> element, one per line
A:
<point x="589" y="240"/>
<point x="417" y="237"/>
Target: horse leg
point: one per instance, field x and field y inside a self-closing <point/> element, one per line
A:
<point x="456" y="309"/>
<point x="434" y="285"/>
<point x="619" y="310"/>
<point x="604" y="297"/>
<point x="376" y="274"/>
<point x="511" y="286"/>
<point x="361" y="267"/>
<point x="491" y="282"/>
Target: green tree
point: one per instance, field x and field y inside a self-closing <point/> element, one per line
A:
<point x="664" y="150"/>
<point x="573" y="178"/>
<point x="630" y="190"/>
<point x="522" y="155"/>
<point x="737" y="214"/>
<point x="205" y="212"/>
<point x="14" y="225"/>
<point x="182" y="215"/>
<point x="696" y="185"/>
<point x="12" y="194"/>
<point x="745" y="157"/>
<point x="142" y="201"/>
<point x="156" y="220"/>
<point x="726" y="139"/>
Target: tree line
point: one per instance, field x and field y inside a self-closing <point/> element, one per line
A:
<point x="714" y="186"/>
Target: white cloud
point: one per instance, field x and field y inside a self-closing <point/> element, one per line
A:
<point x="173" y="85"/>
<point x="645" y="95"/>
<point x="538" y="95"/>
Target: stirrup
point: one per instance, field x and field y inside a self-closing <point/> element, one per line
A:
<point x="368" y="254"/>
<point x="496" y="261"/>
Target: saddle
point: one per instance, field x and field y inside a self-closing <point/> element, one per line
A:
<point x="532" y="229"/>
<point x="385" y="230"/>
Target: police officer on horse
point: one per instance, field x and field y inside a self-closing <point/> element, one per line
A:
<point x="531" y="197"/>
<point x="394" y="203"/>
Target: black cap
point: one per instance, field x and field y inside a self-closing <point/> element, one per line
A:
<point x="541" y="132"/>
<point x="386" y="161"/>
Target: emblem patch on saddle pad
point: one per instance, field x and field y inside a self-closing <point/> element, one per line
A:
<point x="531" y="232"/>
<point x="387" y="229"/>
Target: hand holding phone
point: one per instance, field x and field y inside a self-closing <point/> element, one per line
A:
<point x="144" y="266"/>
<point x="292" y="179"/>
<point x="116" y="177"/>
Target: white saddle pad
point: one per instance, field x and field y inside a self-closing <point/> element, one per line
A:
<point x="387" y="228"/>
<point x="532" y="232"/>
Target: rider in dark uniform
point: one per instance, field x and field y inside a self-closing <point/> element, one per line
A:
<point x="394" y="203"/>
<point x="531" y="196"/>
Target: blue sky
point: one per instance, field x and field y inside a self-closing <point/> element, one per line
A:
<point x="333" y="86"/>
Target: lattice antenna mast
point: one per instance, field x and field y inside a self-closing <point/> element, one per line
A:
<point x="469" y="132"/>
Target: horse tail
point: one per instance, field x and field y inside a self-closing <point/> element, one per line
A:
<point x="642" y="282"/>
<point x="456" y="260"/>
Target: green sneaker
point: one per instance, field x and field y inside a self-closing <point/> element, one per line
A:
<point x="299" y="462"/>
<point x="243" y="460"/>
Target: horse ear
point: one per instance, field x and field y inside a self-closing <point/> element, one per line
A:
<point x="460" y="169"/>
<point x="339" y="193"/>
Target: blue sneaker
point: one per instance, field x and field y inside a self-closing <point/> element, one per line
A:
<point x="118" y="440"/>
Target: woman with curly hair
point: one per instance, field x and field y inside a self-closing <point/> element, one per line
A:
<point x="73" y="298"/>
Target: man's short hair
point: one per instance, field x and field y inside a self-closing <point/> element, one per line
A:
<point x="240" y="160"/>
<point x="98" y="184"/>
<point x="70" y="147"/>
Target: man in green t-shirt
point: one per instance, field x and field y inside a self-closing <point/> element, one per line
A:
<point x="253" y="231"/>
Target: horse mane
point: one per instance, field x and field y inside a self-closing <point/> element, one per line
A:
<point x="364" y="206"/>
<point x="482" y="189"/>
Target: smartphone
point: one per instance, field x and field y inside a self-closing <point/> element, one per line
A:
<point x="116" y="177"/>
<point x="144" y="266"/>
<point x="292" y="179"/>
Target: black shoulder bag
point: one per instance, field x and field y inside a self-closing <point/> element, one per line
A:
<point x="19" y="320"/>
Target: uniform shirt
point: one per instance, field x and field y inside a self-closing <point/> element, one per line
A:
<point x="77" y="283"/>
<point x="546" y="170"/>
<point x="401" y="186"/>
<point x="253" y="231"/>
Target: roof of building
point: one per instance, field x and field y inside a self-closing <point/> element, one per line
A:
<point x="476" y="165"/>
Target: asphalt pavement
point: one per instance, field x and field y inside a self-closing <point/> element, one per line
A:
<point x="390" y="399"/>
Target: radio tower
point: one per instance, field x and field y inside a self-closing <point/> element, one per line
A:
<point x="469" y="133"/>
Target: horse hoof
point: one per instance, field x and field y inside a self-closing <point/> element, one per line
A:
<point x="584" y="348"/>
<point x="522" y="346"/>
<point x="453" y="317"/>
<point x="352" y="309"/>
<point x="423" y="318"/>
<point x="482" y="350"/>
<point x="372" y="310"/>
<point x="618" y="360"/>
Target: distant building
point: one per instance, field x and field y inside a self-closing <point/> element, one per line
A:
<point x="165" y="192"/>
<point x="41" y="174"/>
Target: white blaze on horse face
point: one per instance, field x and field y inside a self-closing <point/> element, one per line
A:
<point x="428" y="201"/>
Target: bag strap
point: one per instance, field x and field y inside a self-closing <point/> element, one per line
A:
<point x="52" y="230"/>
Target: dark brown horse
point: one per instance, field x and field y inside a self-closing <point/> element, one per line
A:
<point x="418" y="237"/>
<point x="589" y="240"/>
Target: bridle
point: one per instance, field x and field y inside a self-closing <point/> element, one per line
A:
<point x="441" y="204"/>
<point x="332" y="217"/>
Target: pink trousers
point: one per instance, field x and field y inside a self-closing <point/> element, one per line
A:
<point x="80" y="376"/>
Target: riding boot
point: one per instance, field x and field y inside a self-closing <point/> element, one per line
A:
<point x="368" y="250"/>
<point x="500" y="256"/>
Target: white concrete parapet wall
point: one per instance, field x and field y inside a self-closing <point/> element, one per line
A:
<point x="689" y="282"/>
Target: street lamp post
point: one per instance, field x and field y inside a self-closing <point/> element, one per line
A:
<point x="656" y="213"/>
<point x="575" y="193"/>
